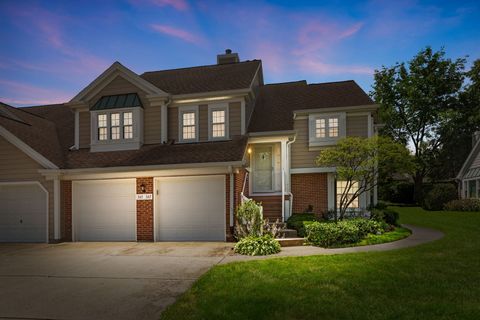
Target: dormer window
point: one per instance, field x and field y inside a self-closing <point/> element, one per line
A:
<point x="117" y="123"/>
<point x="326" y="129"/>
<point x="188" y="124"/>
<point x="218" y="121"/>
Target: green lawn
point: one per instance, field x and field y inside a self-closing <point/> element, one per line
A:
<point x="439" y="280"/>
<point x="394" y="235"/>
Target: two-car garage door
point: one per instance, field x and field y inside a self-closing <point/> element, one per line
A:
<point x="186" y="209"/>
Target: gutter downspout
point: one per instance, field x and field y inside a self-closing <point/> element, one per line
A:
<point x="290" y="176"/>
<point x="231" y="195"/>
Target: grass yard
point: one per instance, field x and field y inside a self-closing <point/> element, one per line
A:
<point x="439" y="280"/>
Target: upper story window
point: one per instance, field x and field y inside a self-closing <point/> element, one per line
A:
<point x="218" y="122"/>
<point x="326" y="129"/>
<point x="188" y="124"/>
<point x="117" y="123"/>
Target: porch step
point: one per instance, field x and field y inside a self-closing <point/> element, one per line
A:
<point x="291" y="242"/>
<point x="289" y="233"/>
<point x="272" y="206"/>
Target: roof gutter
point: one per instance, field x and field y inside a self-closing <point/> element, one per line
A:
<point x="272" y="133"/>
<point x="368" y="107"/>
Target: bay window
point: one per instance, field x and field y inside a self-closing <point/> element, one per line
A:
<point x="127" y="125"/>
<point x="102" y="127"/>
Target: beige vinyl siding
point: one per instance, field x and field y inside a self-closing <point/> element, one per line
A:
<point x="235" y="114"/>
<point x="203" y="122"/>
<point x="302" y="157"/>
<point x="84" y="129"/>
<point x="173" y="123"/>
<point x="152" y="132"/>
<point x="357" y="126"/>
<point x="15" y="165"/>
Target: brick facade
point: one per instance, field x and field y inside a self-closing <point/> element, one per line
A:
<point x="310" y="189"/>
<point x="66" y="209"/>
<point x="145" y="211"/>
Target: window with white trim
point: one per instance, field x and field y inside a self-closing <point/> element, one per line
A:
<point x="115" y="126"/>
<point x="326" y="129"/>
<point x="102" y="127"/>
<point x="188" y="124"/>
<point x="218" y="122"/>
<point x="341" y="187"/>
<point x="127" y="125"/>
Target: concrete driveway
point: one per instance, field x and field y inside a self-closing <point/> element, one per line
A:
<point x="99" y="280"/>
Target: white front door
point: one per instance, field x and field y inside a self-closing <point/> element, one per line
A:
<point x="263" y="168"/>
<point x="190" y="208"/>
<point x="104" y="210"/>
<point x="23" y="213"/>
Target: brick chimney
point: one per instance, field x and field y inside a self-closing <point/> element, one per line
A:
<point x="227" y="57"/>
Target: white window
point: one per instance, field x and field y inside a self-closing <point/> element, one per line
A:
<point x="102" y="127"/>
<point x="218" y="122"/>
<point x="188" y="124"/>
<point x="115" y="126"/>
<point x="127" y="125"/>
<point x="341" y="187"/>
<point x="326" y="129"/>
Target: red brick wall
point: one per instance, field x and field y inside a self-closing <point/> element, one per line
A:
<point x="145" y="211"/>
<point x="66" y="209"/>
<point x="310" y="189"/>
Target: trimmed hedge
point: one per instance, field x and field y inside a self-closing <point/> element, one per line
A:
<point x="296" y="221"/>
<point x="330" y="234"/>
<point x="385" y="215"/>
<point x="257" y="246"/>
<point x="463" y="205"/>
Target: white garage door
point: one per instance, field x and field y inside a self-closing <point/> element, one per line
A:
<point x="23" y="213"/>
<point x="191" y="209"/>
<point x="104" y="210"/>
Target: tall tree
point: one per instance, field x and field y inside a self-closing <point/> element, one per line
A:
<point x="457" y="132"/>
<point x="415" y="101"/>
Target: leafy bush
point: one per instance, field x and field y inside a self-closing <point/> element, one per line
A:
<point x="385" y="215"/>
<point x="328" y="234"/>
<point x="296" y="221"/>
<point x="249" y="220"/>
<point x="397" y="192"/>
<point x="463" y="205"/>
<point x="257" y="246"/>
<point x="439" y="196"/>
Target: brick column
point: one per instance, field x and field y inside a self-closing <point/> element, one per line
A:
<point x="66" y="209"/>
<point x="145" y="211"/>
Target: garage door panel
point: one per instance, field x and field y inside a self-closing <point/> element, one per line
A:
<point x="191" y="208"/>
<point x="104" y="210"/>
<point x="23" y="213"/>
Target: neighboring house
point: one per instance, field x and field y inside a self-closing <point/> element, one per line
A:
<point x="166" y="155"/>
<point x="469" y="175"/>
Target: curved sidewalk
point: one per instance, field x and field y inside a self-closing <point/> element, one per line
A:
<point x="419" y="236"/>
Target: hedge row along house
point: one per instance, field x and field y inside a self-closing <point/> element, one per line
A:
<point x="166" y="155"/>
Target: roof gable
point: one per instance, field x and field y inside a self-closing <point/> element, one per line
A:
<point x="109" y="75"/>
<point x="468" y="162"/>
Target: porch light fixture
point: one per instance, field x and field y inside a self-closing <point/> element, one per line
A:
<point x="249" y="150"/>
<point x="142" y="188"/>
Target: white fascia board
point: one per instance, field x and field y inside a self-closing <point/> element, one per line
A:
<point x="288" y="133"/>
<point x="17" y="142"/>
<point x="313" y="170"/>
<point x="209" y="96"/>
<point x="469" y="159"/>
<point x="116" y="69"/>
<point x="369" y="107"/>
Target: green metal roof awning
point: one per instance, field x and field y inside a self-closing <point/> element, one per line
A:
<point x="129" y="100"/>
<point x="472" y="173"/>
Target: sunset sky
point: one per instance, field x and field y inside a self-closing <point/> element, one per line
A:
<point x="50" y="50"/>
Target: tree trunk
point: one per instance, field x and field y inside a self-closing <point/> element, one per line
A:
<point x="418" y="188"/>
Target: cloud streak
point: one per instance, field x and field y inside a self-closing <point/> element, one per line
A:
<point x="178" y="33"/>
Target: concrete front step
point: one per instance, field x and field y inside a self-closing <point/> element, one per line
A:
<point x="289" y="233"/>
<point x="291" y="242"/>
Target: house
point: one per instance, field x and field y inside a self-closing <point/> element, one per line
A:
<point x="469" y="175"/>
<point x="166" y="155"/>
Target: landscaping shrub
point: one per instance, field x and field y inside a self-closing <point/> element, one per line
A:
<point x="249" y="220"/>
<point x="328" y="234"/>
<point x="439" y="195"/>
<point x="257" y="246"/>
<point x="463" y="205"/>
<point x="296" y="221"/>
<point x="390" y="217"/>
